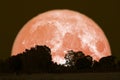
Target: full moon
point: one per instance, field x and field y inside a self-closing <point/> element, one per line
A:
<point x="61" y="31"/>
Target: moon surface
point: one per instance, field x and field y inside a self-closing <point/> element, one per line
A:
<point x="63" y="30"/>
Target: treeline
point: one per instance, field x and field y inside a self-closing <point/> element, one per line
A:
<point x="39" y="60"/>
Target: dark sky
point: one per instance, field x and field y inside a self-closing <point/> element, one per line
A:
<point x="15" y="13"/>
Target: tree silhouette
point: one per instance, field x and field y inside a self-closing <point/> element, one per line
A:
<point x="15" y="64"/>
<point x="107" y="63"/>
<point x="96" y="66"/>
<point x="38" y="60"/>
<point x="3" y="66"/>
<point x="71" y="57"/>
<point x="84" y="63"/>
<point x="118" y="66"/>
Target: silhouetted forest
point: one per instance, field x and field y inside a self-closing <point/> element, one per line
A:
<point x="39" y="60"/>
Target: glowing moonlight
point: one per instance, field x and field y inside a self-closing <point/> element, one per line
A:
<point x="63" y="30"/>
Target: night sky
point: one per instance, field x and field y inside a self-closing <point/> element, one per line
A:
<point x="15" y="13"/>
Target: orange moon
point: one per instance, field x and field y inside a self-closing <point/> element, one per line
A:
<point x="63" y="30"/>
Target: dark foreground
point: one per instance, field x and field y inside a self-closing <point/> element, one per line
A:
<point x="70" y="76"/>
